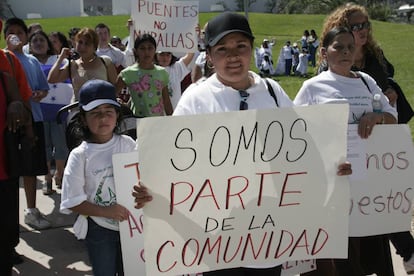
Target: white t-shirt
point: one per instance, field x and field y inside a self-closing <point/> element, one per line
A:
<point x="89" y="176"/>
<point x="328" y="87"/>
<point x="212" y="96"/>
<point x="116" y="55"/>
<point x="176" y="72"/>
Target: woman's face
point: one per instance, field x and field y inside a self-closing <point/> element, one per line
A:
<point x="38" y="45"/>
<point x="360" y="27"/>
<point x="164" y="58"/>
<point x="84" y="47"/>
<point x="231" y="59"/>
<point x="145" y="53"/>
<point x="340" y="54"/>
<point x="57" y="45"/>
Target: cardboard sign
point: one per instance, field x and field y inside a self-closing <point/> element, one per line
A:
<point x="382" y="190"/>
<point x="250" y="188"/>
<point x="171" y="23"/>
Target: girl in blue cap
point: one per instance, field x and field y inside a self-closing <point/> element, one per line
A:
<point x="88" y="182"/>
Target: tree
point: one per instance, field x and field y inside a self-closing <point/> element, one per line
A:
<point x="240" y="4"/>
<point x="270" y="5"/>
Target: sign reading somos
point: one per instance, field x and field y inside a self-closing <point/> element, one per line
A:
<point x="171" y="23"/>
<point x="257" y="187"/>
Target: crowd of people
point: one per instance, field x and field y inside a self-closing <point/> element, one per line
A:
<point x="94" y="69"/>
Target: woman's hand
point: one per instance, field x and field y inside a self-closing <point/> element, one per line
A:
<point x="344" y="169"/>
<point x="367" y="123"/>
<point x="141" y="195"/>
<point x="392" y="96"/>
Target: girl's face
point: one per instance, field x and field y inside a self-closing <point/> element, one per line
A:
<point x="145" y="53"/>
<point x="57" y="45"/>
<point x="38" y="45"/>
<point x="164" y="59"/>
<point x="360" y="27"/>
<point x="340" y="54"/>
<point x="231" y="59"/>
<point x="101" y="122"/>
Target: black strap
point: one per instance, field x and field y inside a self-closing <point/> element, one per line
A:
<point x="271" y="91"/>
<point x="366" y="84"/>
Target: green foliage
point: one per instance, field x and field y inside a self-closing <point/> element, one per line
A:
<point x="379" y="12"/>
<point x="395" y="39"/>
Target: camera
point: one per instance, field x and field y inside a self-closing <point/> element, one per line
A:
<point x="73" y="55"/>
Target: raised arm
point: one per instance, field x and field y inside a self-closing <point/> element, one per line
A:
<point x="58" y="73"/>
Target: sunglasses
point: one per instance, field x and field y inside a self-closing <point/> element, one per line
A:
<point x="243" y="101"/>
<point x="360" y="26"/>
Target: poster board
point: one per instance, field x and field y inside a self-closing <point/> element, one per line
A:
<point x="242" y="188"/>
<point x="171" y="23"/>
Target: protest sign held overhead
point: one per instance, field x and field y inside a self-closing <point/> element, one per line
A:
<point x="172" y="23"/>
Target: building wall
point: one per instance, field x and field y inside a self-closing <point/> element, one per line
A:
<point x="46" y="8"/>
<point x="65" y="8"/>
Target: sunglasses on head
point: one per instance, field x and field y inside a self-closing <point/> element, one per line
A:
<point x="360" y="26"/>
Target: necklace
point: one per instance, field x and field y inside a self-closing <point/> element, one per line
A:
<point x="92" y="59"/>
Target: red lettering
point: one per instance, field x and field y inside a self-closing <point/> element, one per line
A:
<point x="284" y="191"/>
<point x="134" y="225"/>
<point x="206" y="184"/>
<point x="262" y="175"/>
<point x="282" y="235"/>
<point x="159" y="253"/>
<point x="172" y="194"/>
<point x="229" y="192"/>
<point x="136" y="167"/>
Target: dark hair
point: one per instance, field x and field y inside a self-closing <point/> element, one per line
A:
<point x="73" y="31"/>
<point x="174" y="59"/>
<point x="83" y="133"/>
<point x="102" y="26"/>
<point x="32" y="26"/>
<point x="142" y="38"/>
<point x="62" y="38"/>
<point x="50" y="50"/>
<point x="332" y="33"/>
<point x="15" y="21"/>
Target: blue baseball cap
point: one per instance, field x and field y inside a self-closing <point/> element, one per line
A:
<point x="96" y="92"/>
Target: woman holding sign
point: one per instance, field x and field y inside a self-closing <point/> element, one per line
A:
<point x="339" y="84"/>
<point x="229" y="46"/>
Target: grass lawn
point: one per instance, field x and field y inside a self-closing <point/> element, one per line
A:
<point x="394" y="38"/>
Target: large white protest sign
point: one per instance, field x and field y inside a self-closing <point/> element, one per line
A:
<point x="382" y="192"/>
<point x="171" y="23"/>
<point x="257" y="187"/>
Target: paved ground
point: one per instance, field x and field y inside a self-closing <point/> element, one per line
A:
<point x="56" y="251"/>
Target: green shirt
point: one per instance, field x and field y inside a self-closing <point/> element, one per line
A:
<point x="145" y="87"/>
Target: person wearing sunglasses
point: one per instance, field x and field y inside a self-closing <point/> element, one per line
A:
<point x="369" y="58"/>
<point x="229" y="47"/>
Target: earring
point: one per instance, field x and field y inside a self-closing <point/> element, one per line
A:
<point x="209" y="65"/>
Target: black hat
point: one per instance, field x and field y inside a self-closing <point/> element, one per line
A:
<point x="226" y="23"/>
<point x="96" y="92"/>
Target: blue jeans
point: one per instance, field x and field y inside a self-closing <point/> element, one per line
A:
<point x="104" y="248"/>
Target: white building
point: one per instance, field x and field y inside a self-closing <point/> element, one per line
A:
<point x="65" y="8"/>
